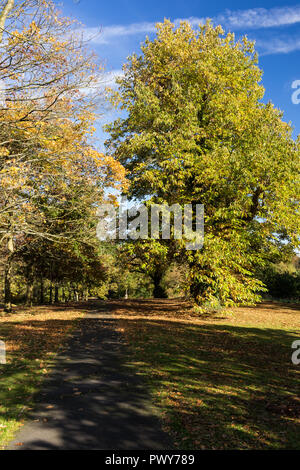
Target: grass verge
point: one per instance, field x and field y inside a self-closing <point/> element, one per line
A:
<point x="32" y="338"/>
<point x="220" y="383"/>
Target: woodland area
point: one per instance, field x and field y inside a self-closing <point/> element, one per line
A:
<point x="196" y="131"/>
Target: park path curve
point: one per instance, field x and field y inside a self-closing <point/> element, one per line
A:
<point x="91" y="400"/>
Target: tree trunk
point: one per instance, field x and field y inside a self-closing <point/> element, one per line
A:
<point x="51" y="294"/>
<point x="41" y="290"/>
<point x="29" y="286"/>
<point x="7" y="276"/>
<point x="7" y="287"/>
<point x="29" y="292"/>
<point x="3" y="16"/>
<point x="158" y="291"/>
<point x="56" y="295"/>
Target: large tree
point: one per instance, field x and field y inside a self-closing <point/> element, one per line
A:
<point x="197" y="131"/>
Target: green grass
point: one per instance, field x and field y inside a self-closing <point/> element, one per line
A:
<point x="19" y="381"/>
<point x="218" y="384"/>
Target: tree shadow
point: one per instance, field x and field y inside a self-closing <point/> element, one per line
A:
<point x="220" y="386"/>
<point x="174" y="308"/>
<point x="91" y="400"/>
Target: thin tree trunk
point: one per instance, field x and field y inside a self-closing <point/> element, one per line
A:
<point x="76" y="295"/>
<point x="63" y="294"/>
<point x="51" y="294"/>
<point x="56" y="295"/>
<point x="29" y="293"/>
<point x="41" y="290"/>
<point x="4" y="14"/>
<point x="29" y="286"/>
<point x="7" y="276"/>
<point x="7" y="287"/>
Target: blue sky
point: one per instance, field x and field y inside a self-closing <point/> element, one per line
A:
<point x="120" y="26"/>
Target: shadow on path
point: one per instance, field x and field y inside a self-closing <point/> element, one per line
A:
<point x="90" y="400"/>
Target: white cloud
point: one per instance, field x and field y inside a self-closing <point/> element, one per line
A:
<point x="104" y="80"/>
<point x="108" y="79"/>
<point x="255" y="18"/>
<point x="105" y="34"/>
<point x="278" y="45"/>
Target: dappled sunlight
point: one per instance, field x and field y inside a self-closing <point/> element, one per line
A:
<point x="263" y="315"/>
<point x="220" y="386"/>
<point x="92" y="400"/>
<point x="32" y="337"/>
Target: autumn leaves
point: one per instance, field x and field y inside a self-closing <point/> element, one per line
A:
<point x="51" y="173"/>
<point x="195" y="132"/>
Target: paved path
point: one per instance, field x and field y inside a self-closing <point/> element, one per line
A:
<point x="91" y="400"/>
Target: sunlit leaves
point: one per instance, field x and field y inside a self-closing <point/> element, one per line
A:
<point x="196" y="131"/>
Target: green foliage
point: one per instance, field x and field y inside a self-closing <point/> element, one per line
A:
<point x="149" y="257"/>
<point x="121" y="279"/>
<point x="174" y="280"/>
<point x="282" y="280"/>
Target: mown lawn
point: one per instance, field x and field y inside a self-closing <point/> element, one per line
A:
<point x="220" y="383"/>
<point x="32" y="337"/>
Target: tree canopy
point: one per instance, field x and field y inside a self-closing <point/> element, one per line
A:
<point x="197" y="131"/>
